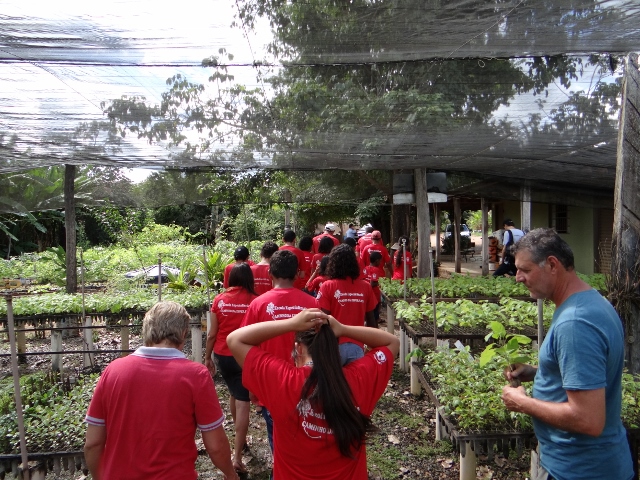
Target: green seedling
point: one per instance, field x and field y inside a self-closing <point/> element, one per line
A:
<point x="505" y="350"/>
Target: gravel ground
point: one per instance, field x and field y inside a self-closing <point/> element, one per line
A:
<point x="404" y="448"/>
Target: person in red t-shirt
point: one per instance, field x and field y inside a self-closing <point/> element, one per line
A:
<point x="306" y="246"/>
<point x="322" y="411"/>
<point x="372" y="274"/>
<point x="376" y="246"/>
<point x="347" y="298"/>
<point x="143" y="415"/>
<point x="261" y="278"/>
<point x="289" y="239"/>
<point x="399" y="260"/>
<point x="313" y="285"/>
<point x="227" y="312"/>
<point x="364" y="240"/>
<point x="282" y="301"/>
<point x="329" y="231"/>
<point x="326" y="245"/>
<point x="240" y="255"/>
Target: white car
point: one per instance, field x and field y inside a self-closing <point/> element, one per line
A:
<point x="464" y="231"/>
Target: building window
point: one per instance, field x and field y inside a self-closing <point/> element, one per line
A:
<point x="559" y="215"/>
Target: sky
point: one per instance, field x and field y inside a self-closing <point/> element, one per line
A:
<point x="169" y="38"/>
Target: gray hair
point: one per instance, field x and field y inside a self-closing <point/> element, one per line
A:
<point x="165" y="321"/>
<point x="542" y="243"/>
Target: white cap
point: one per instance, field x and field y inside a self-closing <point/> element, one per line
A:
<point x="330" y="227"/>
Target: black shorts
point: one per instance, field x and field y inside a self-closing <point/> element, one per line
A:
<point x="232" y="376"/>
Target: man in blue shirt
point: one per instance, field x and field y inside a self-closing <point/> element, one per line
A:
<point x="351" y="232"/>
<point x="577" y="392"/>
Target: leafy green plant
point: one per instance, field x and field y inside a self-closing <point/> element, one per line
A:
<point x="470" y="393"/>
<point x="630" y="401"/>
<point x="187" y="271"/>
<point x="506" y="351"/>
<point x="213" y="268"/>
<point x="53" y="413"/>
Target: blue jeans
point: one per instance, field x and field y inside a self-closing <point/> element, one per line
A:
<point x="269" y="421"/>
<point x="350" y="352"/>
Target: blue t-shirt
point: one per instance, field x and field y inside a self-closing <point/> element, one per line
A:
<point x="584" y="350"/>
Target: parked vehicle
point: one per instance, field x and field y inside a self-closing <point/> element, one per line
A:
<point x="464" y="230"/>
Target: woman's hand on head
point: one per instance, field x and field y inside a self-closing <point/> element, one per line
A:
<point x="336" y="326"/>
<point x="308" y="319"/>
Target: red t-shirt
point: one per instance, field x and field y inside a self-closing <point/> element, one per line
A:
<point x="150" y="403"/>
<point x="317" y="258"/>
<point x="374" y="274"/>
<point x="347" y="300"/>
<point x="229" y="308"/>
<point x="308" y="256"/>
<point x="278" y="304"/>
<point x="374" y="247"/>
<point x="317" y="238"/>
<point x="261" y="279"/>
<point x="363" y="242"/>
<point x="398" y="270"/>
<point x="227" y="271"/>
<point x="299" y="282"/>
<point x="303" y="446"/>
<point x="315" y="284"/>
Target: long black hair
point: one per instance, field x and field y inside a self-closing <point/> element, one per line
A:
<point x="242" y="276"/>
<point x="327" y="390"/>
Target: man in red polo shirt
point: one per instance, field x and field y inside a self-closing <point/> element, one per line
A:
<point x="329" y="230"/>
<point x="144" y="412"/>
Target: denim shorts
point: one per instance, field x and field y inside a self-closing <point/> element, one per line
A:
<point x="350" y="352"/>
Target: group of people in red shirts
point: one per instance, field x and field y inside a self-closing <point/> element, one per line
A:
<point x="308" y="354"/>
<point x="337" y="281"/>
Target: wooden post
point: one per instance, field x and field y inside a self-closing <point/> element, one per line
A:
<point x="56" y="346"/>
<point x="16" y="386"/>
<point x="484" y="206"/>
<point x="21" y="340"/>
<point x="196" y="343"/>
<point x="403" y="351"/>
<point x="438" y="425"/>
<point x="625" y="265"/>
<point x="124" y="340"/>
<point x="424" y="222"/>
<point x="415" y="382"/>
<point x="391" y="318"/>
<point x="456" y="231"/>
<point x="88" y="340"/>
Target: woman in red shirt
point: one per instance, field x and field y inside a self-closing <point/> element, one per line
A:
<point x="347" y="298"/>
<point x="227" y="312"/>
<point x="319" y="407"/>
<point x="399" y="260"/>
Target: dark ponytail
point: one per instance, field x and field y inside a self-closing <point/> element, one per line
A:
<point x="327" y="390"/>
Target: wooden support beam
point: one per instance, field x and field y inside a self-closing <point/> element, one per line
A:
<point x="424" y="222"/>
<point x="625" y="265"/>
<point x="124" y="340"/>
